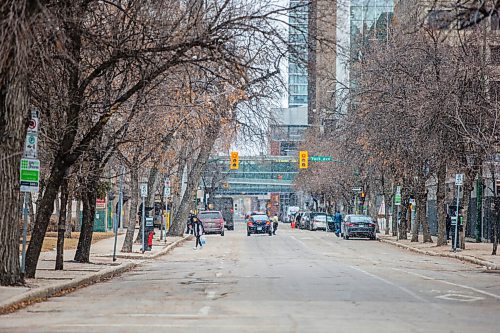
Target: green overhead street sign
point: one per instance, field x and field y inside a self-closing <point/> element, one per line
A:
<point x="30" y="175"/>
<point x="320" y="158"/>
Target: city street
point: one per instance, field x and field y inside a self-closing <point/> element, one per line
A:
<point x="296" y="281"/>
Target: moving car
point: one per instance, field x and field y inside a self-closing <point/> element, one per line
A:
<point x="213" y="222"/>
<point x="358" y="226"/>
<point x="259" y="224"/>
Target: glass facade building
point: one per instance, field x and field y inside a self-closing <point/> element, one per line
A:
<point x="297" y="61"/>
<point x="369" y="21"/>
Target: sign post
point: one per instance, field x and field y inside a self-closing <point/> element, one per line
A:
<point x="118" y="219"/>
<point x="144" y="194"/>
<point x="397" y="203"/>
<point x="166" y="194"/>
<point x="459" y="181"/>
<point x="29" y="176"/>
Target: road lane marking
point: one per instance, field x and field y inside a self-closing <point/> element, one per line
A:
<point x="210" y="294"/>
<point x="460" y="298"/>
<point x="409" y="292"/>
<point x="479" y="291"/>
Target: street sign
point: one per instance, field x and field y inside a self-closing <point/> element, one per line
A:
<point x="320" y="158"/>
<point x="31" y="146"/>
<point x="149" y="222"/>
<point x="303" y="159"/>
<point x="31" y="142"/>
<point x="459" y="179"/>
<point x="397" y="197"/>
<point x="144" y="190"/>
<point x="33" y="122"/>
<point x="356" y="189"/>
<point x="234" y="163"/>
<point x="30" y="175"/>
<point x="166" y="189"/>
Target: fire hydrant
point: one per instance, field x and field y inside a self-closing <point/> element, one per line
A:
<point x="150" y="240"/>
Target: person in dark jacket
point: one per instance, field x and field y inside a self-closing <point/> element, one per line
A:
<point x="198" y="232"/>
<point x="190" y="222"/>
<point x="337" y="219"/>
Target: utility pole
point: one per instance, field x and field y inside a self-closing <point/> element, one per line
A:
<point x="118" y="219"/>
<point x="459" y="180"/>
<point x="144" y="194"/>
<point x="479" y="205"/>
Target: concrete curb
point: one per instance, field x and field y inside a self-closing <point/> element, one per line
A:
<point x="489" y="265"/>
<point x="39" y="294"/>
<point x="164" y="251"/>
<point x="42" y="293"/>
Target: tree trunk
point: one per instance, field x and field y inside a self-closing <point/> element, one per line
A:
<point x="69" y="218"/>
<point x="15" y="20"/>
<point x="89" y="205"/>
<point x="44" y="211"/>
<point x="134" y="195"/>
<point x="403" y="222"/>
<point x="424" y="221"/>
<point x="440" y="202"/>
<point x="61" y="225"/>
<point x="180" y="219"/>
<point x="78" y="212"/>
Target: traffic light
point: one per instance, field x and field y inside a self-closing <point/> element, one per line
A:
<point x="303" y="159"/>
<point x="234" y="163"/>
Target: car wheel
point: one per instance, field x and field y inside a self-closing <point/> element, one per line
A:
<point x="270" y="233"/>
<point x="222" y="233"/>
<point x="346" y="237"/>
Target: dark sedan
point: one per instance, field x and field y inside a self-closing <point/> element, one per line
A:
<point x="358" y="226"/>
<point x="259" y="224"/>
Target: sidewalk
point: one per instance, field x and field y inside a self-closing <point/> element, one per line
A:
<point x="476" y="253"/>
<point x="49" y="282"/>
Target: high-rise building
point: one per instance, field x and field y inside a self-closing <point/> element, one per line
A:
<point x="321" y="62"/>
<point x="358" y="22"/>
<point x="297" y="61"/>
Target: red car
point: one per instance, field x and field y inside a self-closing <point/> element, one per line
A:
<point x="213" y="222"/>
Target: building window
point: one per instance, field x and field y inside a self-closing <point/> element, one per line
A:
<point x="439" y="19"/>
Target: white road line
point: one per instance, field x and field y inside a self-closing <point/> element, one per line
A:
<point x="210" y="294"/>
<point x="409" y="292"/>
<point x="298" y="240"/>
<point x="449" y="283"/>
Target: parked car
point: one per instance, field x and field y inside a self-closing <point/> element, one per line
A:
<point x="310" y="218"/>
<point x="224" y="205"/>
<point x="358" y="226"/>
<point x="259" y="224"/>
<point x="213" y="222"/>
<point x="330" y="223"/>
<point x="318" y="222"/>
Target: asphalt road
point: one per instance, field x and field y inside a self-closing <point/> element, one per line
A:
<point x="297" y="281"/>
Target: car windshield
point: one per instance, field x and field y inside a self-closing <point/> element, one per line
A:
<point x="320" y="218"/>
<point x="329" y="218"/>
<point x="360" y="219"/>
<point x="260" y="217"/>
<point x="210" y="215"/>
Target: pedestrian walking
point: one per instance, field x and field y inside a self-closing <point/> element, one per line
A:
<point x="190" y="223"/>
<point x="337" y="220"/>
<point x="275" y="224"/>
<point x="198" y="232"/>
